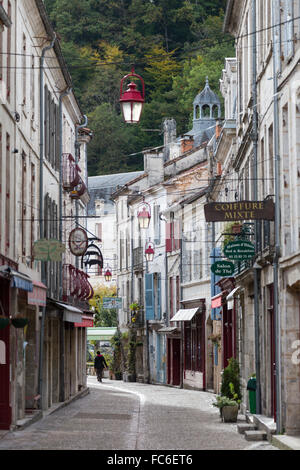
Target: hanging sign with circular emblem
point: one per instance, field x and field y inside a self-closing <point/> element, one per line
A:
<point x="78" y="241"/>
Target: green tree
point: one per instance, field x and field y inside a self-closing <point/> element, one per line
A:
<point x="174" y="45"/>
<point x="103" y="317"/>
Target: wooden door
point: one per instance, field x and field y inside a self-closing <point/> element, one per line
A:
<point x="176" y="362"/>
<point x="5" y="409"/>
<point x="272" y="351"/>
<point x="227" y="336"/>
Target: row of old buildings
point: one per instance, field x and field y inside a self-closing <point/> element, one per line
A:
<point x="189" y="321"/>
<point x="44" y="287"/>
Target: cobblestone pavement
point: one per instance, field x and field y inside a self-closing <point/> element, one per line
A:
<point x="132" y="416"/>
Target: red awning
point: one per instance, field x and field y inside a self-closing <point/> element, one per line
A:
<point x="38" y="295"/>
<point x="87" y="322"/>
<point x="217" y="301"/>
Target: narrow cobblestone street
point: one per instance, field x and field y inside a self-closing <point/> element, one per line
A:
<point x="130" y="416"/>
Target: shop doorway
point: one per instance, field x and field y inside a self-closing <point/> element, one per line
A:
<point x="173" y="349"/>
<point x="272" y="351"/>
<point x="5" y="409"/>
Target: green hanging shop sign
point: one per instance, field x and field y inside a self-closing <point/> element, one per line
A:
<point x="239" y="250"/>
<point x="223" y="268"/>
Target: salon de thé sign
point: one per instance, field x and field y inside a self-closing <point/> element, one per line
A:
<point x="239" y="210"/>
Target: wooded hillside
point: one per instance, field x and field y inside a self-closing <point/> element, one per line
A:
<point x="173" y="44"/>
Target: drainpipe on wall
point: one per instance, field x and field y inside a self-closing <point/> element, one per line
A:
<point x="277" y="322"/>
<point x="255" y="194"/>
<point x="41" y="215"/>
<point x="77" y="147"/>
<point x="181" y="297"/>
<point x="132" y="260"/>
<point x="61" y="97"/>
<point x="61" y="330"/>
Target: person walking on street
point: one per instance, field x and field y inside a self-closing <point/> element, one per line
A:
<point x="99" y="365"/>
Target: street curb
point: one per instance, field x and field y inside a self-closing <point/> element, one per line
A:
<point x="40" y="414"/>
<point x="58" y="406"/>
<point x="286" y="442"/>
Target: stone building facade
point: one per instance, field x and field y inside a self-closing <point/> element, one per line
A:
<point x="266" y="161"/>
<point x="42" y="335"/>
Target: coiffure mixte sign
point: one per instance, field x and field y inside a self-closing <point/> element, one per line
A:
<point x="239" y="210"/>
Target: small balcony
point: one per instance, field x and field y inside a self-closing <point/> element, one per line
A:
<point x="76" y="284"/>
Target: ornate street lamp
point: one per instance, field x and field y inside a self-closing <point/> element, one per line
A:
<point x="108" y="275"/>
<point x="149" y="251"/>
<point x="132" y="100"/>
<point x="144" y="215"/>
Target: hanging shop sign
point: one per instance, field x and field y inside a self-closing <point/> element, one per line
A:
<point x="223" y="268"/>
<point x="78" y="241"/>
<point x="239" y="250"/>
<point x="48" y="250"/>
<point x="239" y="210"/>
<point x="112" y="302"/>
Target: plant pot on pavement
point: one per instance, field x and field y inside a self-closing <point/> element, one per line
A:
<point x="131" y="378"/>
<point x="230" y="413"/>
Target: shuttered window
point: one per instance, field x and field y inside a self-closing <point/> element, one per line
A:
<point x="288" y="28"/>
<point x="157" y="226"/>
<point x="149" y="296"/>
<point x="158" y="297"/>
<point x="169" y="237"/>
<point x="171" y="293"/>
<point x="173" y="236"/>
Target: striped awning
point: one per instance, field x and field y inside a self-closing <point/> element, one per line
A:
<point x="185" y="314"/>
<point x="17" y="280"/>
<point x="38" y="296"/>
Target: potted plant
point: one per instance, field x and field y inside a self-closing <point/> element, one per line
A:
<point x="228" y="407"/>
<point x="229" y="400"/>
<point x="135" y="309"/>
<point x="231" y="375"/>
<point x="132" y="358"/>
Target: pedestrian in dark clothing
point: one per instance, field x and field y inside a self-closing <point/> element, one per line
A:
<point x="99" y="365"/>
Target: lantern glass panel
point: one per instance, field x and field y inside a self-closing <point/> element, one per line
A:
<point x="144" y="222"/>
<point x="149" y="256"/>
<point x="131" y="111"/>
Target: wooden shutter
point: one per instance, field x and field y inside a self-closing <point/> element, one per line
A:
<point x="149" y="296"/>
<point x="177" y="235"/>
<point x="158" y="313"/>
<point x="288" y="28"/>
<point x="216" y="255"/>
<point x="177" y="293"/>
<point x="171" y="298"/>
<point x="157" y="225"/>
<point x="168" y="237"/>
<point x="99" y="231"/>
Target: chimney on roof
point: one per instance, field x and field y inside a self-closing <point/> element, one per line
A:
<point x="187" y="143"/>
<point x="154" y="166"/>
<point x="169" y="128"/>
<point x="218" y="129"/>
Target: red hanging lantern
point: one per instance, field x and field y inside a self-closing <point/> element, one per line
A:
<point x="149" y="251"/>
<point x="108" y="275"/>
<point x="144" y="215"/>
<point x="132" y="100"/>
